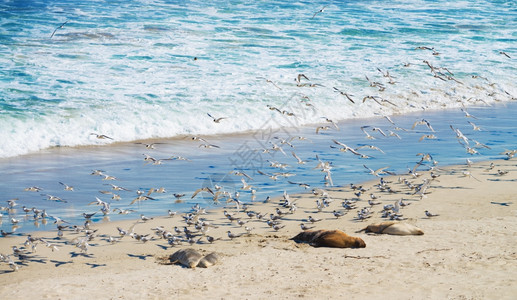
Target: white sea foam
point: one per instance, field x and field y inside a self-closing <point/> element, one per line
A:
<point x="137" y="79"/>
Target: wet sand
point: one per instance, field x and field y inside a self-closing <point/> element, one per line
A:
<point x="467" y="252"/>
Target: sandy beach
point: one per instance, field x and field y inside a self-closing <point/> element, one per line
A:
<point x="466" y="252"/>
<point x="133" y="130"/>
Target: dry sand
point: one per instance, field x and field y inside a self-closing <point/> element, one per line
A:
<point x="467" y="252"/>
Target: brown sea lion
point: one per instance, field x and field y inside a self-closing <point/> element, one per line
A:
<point x="393" y="228"/>
<point x="329" y="238"/>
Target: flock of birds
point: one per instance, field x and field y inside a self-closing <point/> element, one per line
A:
<point x="240" y="214"/>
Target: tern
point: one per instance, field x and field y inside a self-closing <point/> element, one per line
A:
<point x="318" y="12"/>
<point x="59" y="27"/>
<point x="429" y="214"/>
<point x="344" y="94"/>
<point x="216" y="120"/>
<point x="101" y="136"/>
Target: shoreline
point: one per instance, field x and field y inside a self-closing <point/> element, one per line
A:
<point x="471" y="237"/>
<point x="212" y="166"/>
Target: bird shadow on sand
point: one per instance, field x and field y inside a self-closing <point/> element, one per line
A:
<point x="75" y="254"/>
<point x="163" y="247"/>
<point x="142" y="257"/>
<point x="506" y="180"/>
<point x="451" y="187"/>
<point x="58" y="263"/>
<point x="93" y="266"/>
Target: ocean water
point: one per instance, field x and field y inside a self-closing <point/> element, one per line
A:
<point x="127" y="69"/>
<point x="139" y="70"/>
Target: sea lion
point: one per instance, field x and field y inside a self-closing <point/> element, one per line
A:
<point x="329" y="238"/>
<point x="186" y="257"/>
<point x="393" y="228"/>
<point x="209" y="260"/>
<point x="191" y="258"/>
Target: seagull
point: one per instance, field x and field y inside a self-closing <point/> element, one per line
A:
<point x="55" y="198"/>
<point x="391" y="133"/>
<point x="468" y="174"/>
<point x="216" y="120"/>
<point x="504" y="53"/>
<point x="144" y="218"/>
<point x="239" y="173"/>
<point x="33" y="189"/>
<point x="203" y="189"/>
<point x="331" y="122"/>
<point x="59" y="27"/>
<point x="298" y="79"/>
<point x="427" y="136"/>
<point x="101" y="136"/>
<point x="429" y="215"/>
<point x="271" y="176"/>
<point x="480" y="145"/>
<point x="208" y="146"/>
<point x="474" y="126"/>
<point x="344" y="94"/>
<point x="232" y="235"/>
<point x="368" y="136"/>
<point x="467" y="114"/>
<point x="149" y="146"/>
<point x="108" y="177"/>
<point x="270" y="81"/>
<point x="423" y="122"/>
<point x="304" y="227"/>
<point x="197" y="138"/>
<point x="378" y="130"/>
<point x="117" y="188"/>
<point x="338" y="214"/>
<point x="319" y="11"/>
<point x="370" y="147"/>
<point x="304" y="185"/>
<point x="322" y="128"/>
<point x="312" y="220"/>
<point x="300" y="161"/>
<point x="67" y="187"/>
<point x="378" y="172"/>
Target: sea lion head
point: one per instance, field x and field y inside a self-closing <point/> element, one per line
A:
<point x="359" y="243"/>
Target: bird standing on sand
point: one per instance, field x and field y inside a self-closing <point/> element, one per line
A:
<point x="232" y="235"/>
<point x="430" y="215"/>
<point x="312" y="220"/>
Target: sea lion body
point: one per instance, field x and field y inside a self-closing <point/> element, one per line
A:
<point x="329" y="238"/>
<point x="394" y="228"/>
<point x="186" y="257"/>
<point x="209" y="260"/>
<point x="191" y="258"/>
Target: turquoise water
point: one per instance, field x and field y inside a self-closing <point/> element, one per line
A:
<point x="135" y="70"/>
<point x="126" y="69"/>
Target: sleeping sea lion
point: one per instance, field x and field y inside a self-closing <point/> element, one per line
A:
<point x="393" y="228"/>
<point x="209" y="260"/>
<point x="186" y="257"/>
<point x="191" y="258"/>
<point x="329" y="238"/>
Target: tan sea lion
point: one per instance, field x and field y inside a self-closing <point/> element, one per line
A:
<point x="186" y="257"/>
<point x="191" y="258"/>
<point x="329" y="238"/>
<point x="209" y="260"/>
<point x="393" y="228"/>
